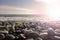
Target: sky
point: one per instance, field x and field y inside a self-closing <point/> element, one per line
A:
<point x="16" y="6"/>
<point x="46" y="8"/>
<point x="20" y="6"/>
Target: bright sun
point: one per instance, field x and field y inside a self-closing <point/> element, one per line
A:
<point x="52" y="10"/>
<point x="53" y="13"/>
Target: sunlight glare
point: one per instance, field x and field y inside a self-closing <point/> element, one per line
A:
<point x="47" y="1"/>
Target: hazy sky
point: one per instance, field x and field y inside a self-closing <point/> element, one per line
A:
<point x="29" y="6"/>
<point x="20" y="6"/>
<point x="17" y="3"/>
